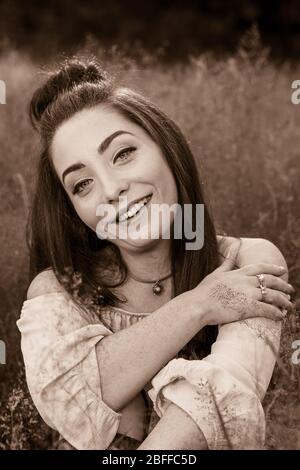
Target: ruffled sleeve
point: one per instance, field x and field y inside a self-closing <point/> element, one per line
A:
<point x="58" y="345"/>
<point x="223" y="392"/>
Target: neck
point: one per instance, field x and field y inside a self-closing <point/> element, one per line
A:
<point x="153" y="263"/>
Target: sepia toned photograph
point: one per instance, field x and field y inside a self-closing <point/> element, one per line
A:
<point x="150" y="227"/>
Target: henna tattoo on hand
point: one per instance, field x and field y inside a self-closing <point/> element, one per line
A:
<point x="235" y="300"/>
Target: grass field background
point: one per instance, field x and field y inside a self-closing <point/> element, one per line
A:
<point x="245" y="133"/>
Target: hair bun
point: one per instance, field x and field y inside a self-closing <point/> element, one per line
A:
<point x="69" y="74"/>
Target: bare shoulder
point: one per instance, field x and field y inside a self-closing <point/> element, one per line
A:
<point x="44" y="283"/>
<point x="254" y="250"/>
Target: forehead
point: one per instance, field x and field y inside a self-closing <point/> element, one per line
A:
<point x="80" y="135"/>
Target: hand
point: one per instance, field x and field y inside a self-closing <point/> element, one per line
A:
<point x="228" y="295"/>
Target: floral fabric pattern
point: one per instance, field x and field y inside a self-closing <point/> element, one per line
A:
<point x="221" y="392"/>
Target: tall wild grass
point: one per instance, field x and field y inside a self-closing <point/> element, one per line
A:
<point x="245" y="132"/>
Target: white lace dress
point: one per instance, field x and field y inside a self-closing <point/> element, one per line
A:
<point x="222" y="393"/>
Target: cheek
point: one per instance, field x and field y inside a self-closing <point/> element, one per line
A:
<point x="158" y="172"/>
<point x="87" y="213"/>
<point x="167" y="184"/>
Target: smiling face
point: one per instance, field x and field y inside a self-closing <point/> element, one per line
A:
<point x="103" y="159"/>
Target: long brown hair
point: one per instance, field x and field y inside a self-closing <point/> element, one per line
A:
<point x="56" y="235"/>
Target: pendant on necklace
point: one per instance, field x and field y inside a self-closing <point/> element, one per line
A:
<point x="157" y="288"/>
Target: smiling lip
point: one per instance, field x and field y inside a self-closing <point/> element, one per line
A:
<point x="136" y="201"/>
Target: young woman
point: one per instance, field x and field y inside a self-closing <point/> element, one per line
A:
<point x="116" y="325"/>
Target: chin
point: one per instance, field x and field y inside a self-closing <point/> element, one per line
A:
<point x="141" y="235"/>
<point x="137" y="244"/>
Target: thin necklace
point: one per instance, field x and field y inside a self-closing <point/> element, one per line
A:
<point x="157" y="287"/>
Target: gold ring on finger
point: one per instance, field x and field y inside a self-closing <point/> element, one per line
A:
<point x="263" y="291"/>
<point x="261" y="279"/>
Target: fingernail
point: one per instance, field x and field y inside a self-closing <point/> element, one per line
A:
<point x="282" y="268"/>
<point x="291" y="287"/>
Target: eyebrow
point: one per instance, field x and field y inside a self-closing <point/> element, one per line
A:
<point x="101" y="149"/>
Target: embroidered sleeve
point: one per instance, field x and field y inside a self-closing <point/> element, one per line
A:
<point x="58" y="346"/>
<point x="223" y="392"/>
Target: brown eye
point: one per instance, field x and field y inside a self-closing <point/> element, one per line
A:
<point x="124" y="154"/>
<point x="79" y="187"/>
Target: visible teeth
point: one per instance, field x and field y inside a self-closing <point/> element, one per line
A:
<point x="133" y="210"/>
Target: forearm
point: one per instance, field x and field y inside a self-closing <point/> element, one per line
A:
<point x="223" y="391"/>
<point x="175" y="431"/>
<point x="130" y="358"/>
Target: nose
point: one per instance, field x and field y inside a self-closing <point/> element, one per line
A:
<point x="113" y="187"/>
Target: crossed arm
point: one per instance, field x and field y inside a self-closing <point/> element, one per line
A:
<point x="176" y="430"/>
<point x="179" y="430"/>
<point x="67" y="364"/>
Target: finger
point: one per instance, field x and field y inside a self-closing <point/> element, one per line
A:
<point x="263" y="268"/>
<point x="267" y="311"/>
<point x="255" y="308"/>
<point x="275" y="282"/>
<point x="277" y="298"/>
<point x="270" y="296"/>
<point x="262" y="309"/>
<point x="230" y="261"/>
<point x="284" y="311"/>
